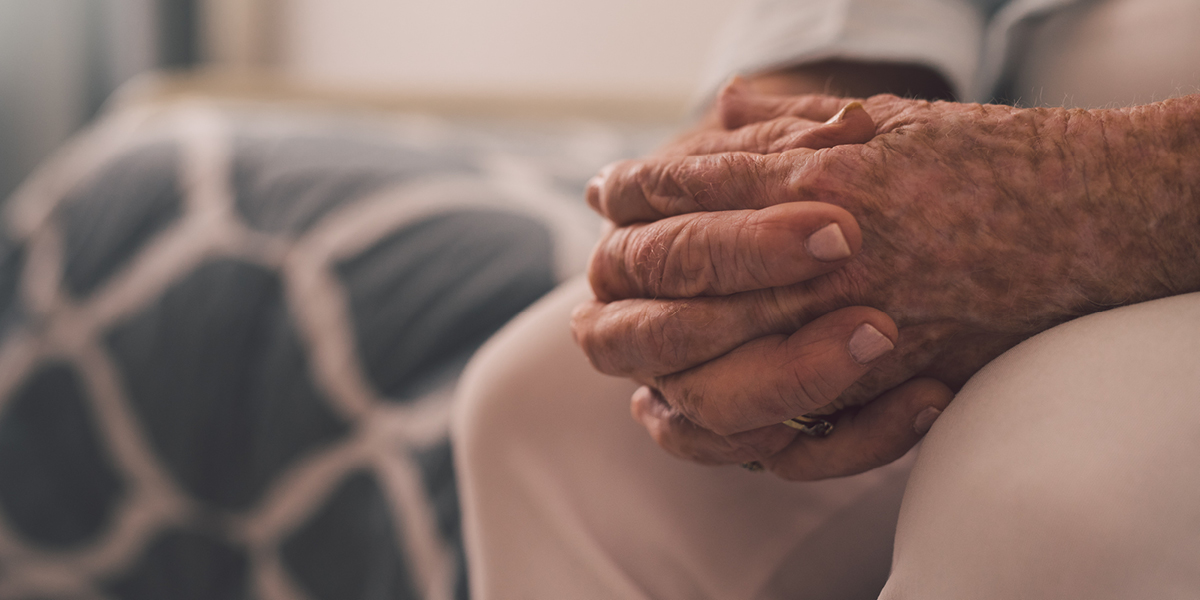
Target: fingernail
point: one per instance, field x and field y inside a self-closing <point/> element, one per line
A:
<point x="828" y="244"/>
<point x="867" y="344"/>
<point x="847" y="109"/>
<point x="925" y="420"/>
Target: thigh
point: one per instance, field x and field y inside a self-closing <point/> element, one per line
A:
<point x="566" y="496"/>
<point x="1067" y="468"/>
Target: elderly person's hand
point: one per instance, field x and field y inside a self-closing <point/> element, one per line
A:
<point x="981" y="225"/>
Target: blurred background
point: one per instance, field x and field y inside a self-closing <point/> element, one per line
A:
<point x="60" y="60"/>
<point x="248" y="246"/>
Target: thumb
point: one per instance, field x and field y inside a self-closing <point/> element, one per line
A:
<point x="739" y="105"/>
<point x="851" y="125"/>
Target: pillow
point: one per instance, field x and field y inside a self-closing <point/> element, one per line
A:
<point x="229" y="337"/>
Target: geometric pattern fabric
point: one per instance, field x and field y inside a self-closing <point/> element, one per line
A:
<point x="229" y="337"/>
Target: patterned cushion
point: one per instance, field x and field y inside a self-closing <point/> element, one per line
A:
<point x="229" y="339"/>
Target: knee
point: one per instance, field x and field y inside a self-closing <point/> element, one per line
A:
<point x="507" y="397"/>
<point x="1065" y="469"/>
<point x="492" y="403"/>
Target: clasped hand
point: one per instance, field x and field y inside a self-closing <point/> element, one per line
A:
<point x="855" y="258"/>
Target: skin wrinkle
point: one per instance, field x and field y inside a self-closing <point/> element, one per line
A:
<point x="816" y="389"/>
<point x="675" y="329"/>
<point x="729" y="254"/>
<point x="668" y="188"/>
<point x="655" y="338"/>
<point x="983" y="225"/>
<point x="749" y="237"/>
<point x="680" y="250"/>
<point x="693" y="405"/>
<point x="652" y="264"/>
<point x="1135" y="137"/>
<point x="959" y="222"/>
<point x="756" y="172"/>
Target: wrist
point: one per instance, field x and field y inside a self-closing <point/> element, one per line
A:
<point x="1142" y="180"/>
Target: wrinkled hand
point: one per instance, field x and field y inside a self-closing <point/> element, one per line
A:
<point x="981" y="225"/>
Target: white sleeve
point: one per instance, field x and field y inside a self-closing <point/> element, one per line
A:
<point x="945" y="35"/>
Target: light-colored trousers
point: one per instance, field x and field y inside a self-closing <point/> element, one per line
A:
<point x="1067" y="468"/>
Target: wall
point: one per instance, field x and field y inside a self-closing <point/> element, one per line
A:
<point x="621" y="49"/>
<point x="59" y="60"/>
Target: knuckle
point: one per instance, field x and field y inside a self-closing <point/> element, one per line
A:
<point x="786" y="133"/>
<point x="680" y="437"/>
<point x="808" y="388"/>
<point x="703" y="409"/>
<point x="762" y="137"/>
<point x="675" y="259"/>
<point x="844" y="287"/>
<point x="583" y="330"/>
<point x="748" y="252"/>
<point x="665" y="184"/>
<point x="602" y="333"/>
<point x="581" y="324"/>
<point x="689" y="402"/>
<point x="600" y="187"/>
<point x="660" y="337"/>
<point x="828" y="175"/>
<point x="689" y="260"/>
<point x="711" y="177"/>
<point x="606" y="266"/>
<point x="765" y="136"/>
<point x="779" y="310"/>
<point x="646" y="257"/>
<point x="595" y="193"/>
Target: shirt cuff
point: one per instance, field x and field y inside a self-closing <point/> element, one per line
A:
<point x="944" y="35"/>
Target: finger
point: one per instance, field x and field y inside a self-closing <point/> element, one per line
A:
<point x="737" y="106"/>
<point x="652" y="337"/>
<point x="684" y="439"/>
<point x="715" y="254"/>
<point x="647" y="190"/>
<point x="850" y="126"/>
<point x="647" y="338"/>
<point x="920" y="351"/>
<point x="777" y="377"/>
<point x="872" y="436"/>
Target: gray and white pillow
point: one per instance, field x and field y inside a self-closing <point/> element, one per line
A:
<point x="229" y="338"/>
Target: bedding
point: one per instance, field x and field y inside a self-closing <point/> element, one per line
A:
<point x="229" y="337"/>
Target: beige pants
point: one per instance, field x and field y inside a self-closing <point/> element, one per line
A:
<point x="1068" y="468"/>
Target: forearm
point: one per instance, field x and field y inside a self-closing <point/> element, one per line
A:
<point x="1142" y="172"/>
<point x="1163" y="150"/>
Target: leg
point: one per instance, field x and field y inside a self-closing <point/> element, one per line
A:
<point x="565" y="496"/>
<point x="1067" y="468"/>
